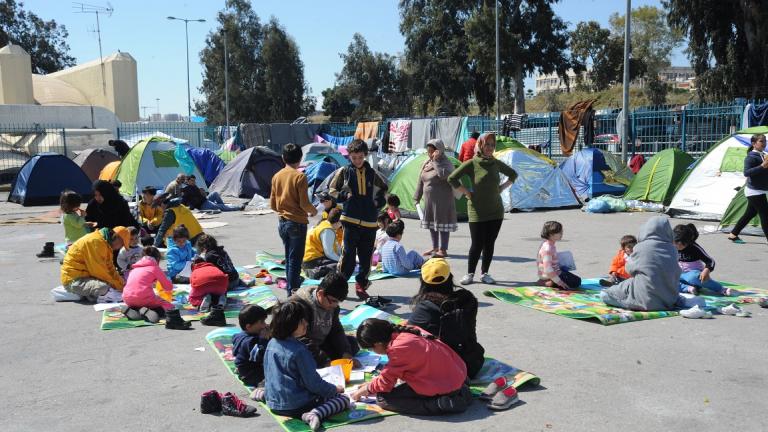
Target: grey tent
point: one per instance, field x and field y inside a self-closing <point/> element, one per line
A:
<point x="92" y="161"/>
<point x="248" y="174"/>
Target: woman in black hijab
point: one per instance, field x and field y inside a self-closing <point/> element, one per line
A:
<point x="108" y="208"/>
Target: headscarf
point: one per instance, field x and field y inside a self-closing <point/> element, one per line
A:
<point x="108" y="191"/>
<point x="114" y="211"/>
<point x="441" y="164"/>
<point x="481" y="142"/>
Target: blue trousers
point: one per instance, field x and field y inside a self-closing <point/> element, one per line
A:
<point x="214" y="202"/>
<point x="691" y="277"/>
<point x="294" y="236"/>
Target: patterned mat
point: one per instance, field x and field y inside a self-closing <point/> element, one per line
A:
<point x="275" y="265"/>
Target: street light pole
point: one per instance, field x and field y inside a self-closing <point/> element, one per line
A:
<point x="226" y="82"/>
<point x="186" y="34"/>
<point x="625" y="97"/>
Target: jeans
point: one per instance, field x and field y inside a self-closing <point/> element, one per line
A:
<point x="358" y="241"/>
<point x="691" y="278"/>
<point x="214" y="202"/>
<point x="294" y="236"/>
<point x="483" y="236"/>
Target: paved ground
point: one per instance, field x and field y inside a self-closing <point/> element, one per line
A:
<point x="60" y="372"/>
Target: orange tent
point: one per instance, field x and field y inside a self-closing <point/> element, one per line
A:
<point x="109" y="172"/>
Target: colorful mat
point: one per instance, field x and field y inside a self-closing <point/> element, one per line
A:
<point x="113" y="319"/>
<point x="275" y="265"/>
<point x="221" y="341"/>
<point x="585" y="304"/>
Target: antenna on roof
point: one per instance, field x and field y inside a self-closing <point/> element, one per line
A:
<point x="96" y="10"/>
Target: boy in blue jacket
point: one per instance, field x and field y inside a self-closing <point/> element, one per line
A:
<point x="248" y="346"/>
<point x="180" y="252"/>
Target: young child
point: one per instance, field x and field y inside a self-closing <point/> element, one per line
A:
<point x="361" y="191"/>
<point x="394" y="259"/>
<point x="72" y="218"/>
<point x="550" y="272"/>
<point x="150" y="215"/>
<point x="434" y="376"/>
<point x="141" y="301"/>
<point x="293" y="388"/>
<point x="210" y="251"/>
<point x="393" y="207"/>
<point x="327" y="203"/>
<point x="382" y="221"/>
<point x="618" y="272"/>
<point x="180" y="252"/>
<point x="323" y="248"/>
<point x="695" y="264"/>
<point x="208" y="292"/>
<point x="289" y="198"/>
<point x="131" y="253"/>
<point x="248" y="346"/>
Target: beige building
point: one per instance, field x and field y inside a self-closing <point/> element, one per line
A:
<point x="111" y="84"/>
<point x="682" y="77"/>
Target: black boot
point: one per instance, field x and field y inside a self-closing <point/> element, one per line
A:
<point x="215" y="318"/>
<point x="173" y="321"/>
<point x="47" y="251"/>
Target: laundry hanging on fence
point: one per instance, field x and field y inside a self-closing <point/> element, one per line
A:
<point x="366" y="130"/>
<point x="513" y="123"/>
<point x="280" y="134"/>
<point x="589" y="127"/>
<point x="758" y="115"/>
<point x="421" y="132"/>
<point x="337" y="141"/>
<point x="304" y="133"/>
<point x="447" y="129"/>
<point x="399" y="135"/>
<point x="745" y="116"/>
<point x="570" y="121"/>
<point x="254" y="135"/>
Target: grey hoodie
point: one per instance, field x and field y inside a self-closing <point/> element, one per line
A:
<point x="654" y="270"/>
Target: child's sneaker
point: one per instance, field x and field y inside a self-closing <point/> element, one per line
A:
<point x="504" y="399"/>
<point x="210" y="402"/>
<point x="730" y="292"/>
<point x="496" y="386"/>
<point x="258" y="395"/>
<point x="312" y="419"/>
<point x="734" y="310"/>
<point x="693" y="313"/>
<point x="361" y="291"/>
<point x="231" y="405"/>
<point x="487" y="279"/>
<point x="467" y="279"/>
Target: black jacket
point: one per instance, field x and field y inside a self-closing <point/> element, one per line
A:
<point x="757" y="176"/>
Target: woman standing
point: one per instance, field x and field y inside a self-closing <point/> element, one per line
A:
<point x="439" y="203"/>
<point x="108" y="208"/>
<point x="756" y="172"/>
<point x="486" y="211"/>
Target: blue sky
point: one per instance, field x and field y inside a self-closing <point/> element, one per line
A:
<point x="321" y="29"/>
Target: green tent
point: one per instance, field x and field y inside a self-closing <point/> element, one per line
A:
<point x="505" y="142"/>
<point x="659" y="177"/>
<point x="226" y="155"/>
<point x="403" y="183"/>
<point x="733" y="213"/>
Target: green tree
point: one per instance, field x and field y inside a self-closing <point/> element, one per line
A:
<point x="247" y="86"/>
<point x="337" y="104"/>
<point x="283" y="75"/>
<point x="595" y="49"/>
<point x="656" y="90"/>
<point x="44" y="41"/>
<point x="726" y="44"/>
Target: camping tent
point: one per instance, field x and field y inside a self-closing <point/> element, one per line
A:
<point x="92" y="161"/>
<point x="321" y="152"/>
<point x="540" y="183"/>
<point x="658" y="179"/>
<point x="711" y="183"/>
<point x="151" y="162"/>
<point x="42" y="179"/>
<point x="249" y="173"/>
<point x="207" y="162"/>
<point x="404" y="180"/>
<point x="733" y="213"/>
<point x="109" y="172"/>
<point x="316" y="174"/>
<point x="593" y="172"/>
<point x="505" y="142"/>
<point x="226" y="156"/>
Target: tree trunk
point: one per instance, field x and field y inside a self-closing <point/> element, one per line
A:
<point x="519" y="89"/>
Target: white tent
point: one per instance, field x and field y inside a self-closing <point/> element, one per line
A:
<point x="540" y="183"/>
<point x="712" y="181"/>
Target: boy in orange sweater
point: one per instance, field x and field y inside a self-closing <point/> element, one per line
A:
<point x="617" y="271"/>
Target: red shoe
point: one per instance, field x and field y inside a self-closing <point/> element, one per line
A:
<point x="361" y="291"/>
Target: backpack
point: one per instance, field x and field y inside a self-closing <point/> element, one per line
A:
<point x="458" y="321"/>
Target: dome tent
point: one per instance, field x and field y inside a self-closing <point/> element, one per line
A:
<point x="44" y="177"/>
<point x="324" y="152"/>
<point x="92" y="161"/>
<point x="207" y="162"/>
<point x="249" y="173"/>
<point x="593" y="172"/>
<point x="733" y="213"/>
<point x="109" y="172"/>
<point x="540" y="183"/>
<point x="659" y="177"/>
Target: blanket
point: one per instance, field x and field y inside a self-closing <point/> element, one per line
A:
<point x="275" y="265"/>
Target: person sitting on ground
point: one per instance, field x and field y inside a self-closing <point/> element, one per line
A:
<point x="617" y="272"/>
<point x="173" y="189"/>
<point x="394" y="259"/>
<point x="121" y="147"/>
<point x="141" y="300"/>
<point x="208" y="292"/>
<point x="175" y="214"/>
<point x="293" y="388"/>
<point x="696" y="264"/>
<point x="326" y="339"/>
<point x="434" y="377"/>
<point x="393" y="207"/>
<point x="150" y="216"/>
<point x="194" y="198"/>
<point x="249" y="345"/>
<point x="323" y="247"/>
<point x="108" y="209"/>
<point x="88" y="269"/>
<point x="551" y="274"/>
<point x="382" y="221"/>
<point x="209" y="250"/>
<point x="179" y="255"/>
<point x="72" y="218"/>
<point x="130" y="253"/>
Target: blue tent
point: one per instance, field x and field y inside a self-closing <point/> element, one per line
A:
<point x="209" y="164"/>
<point x="44" y="177"/>
<point x="586" y="169"/>
<point x="316" y="173"/>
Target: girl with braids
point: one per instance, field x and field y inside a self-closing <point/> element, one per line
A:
<point x="434" y="376"/>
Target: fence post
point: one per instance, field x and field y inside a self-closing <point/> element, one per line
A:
<point x="199" y="141"/>
<point x="682" y="128"/>
<point x="64" y="140"/>
<point x="549" y="131"/>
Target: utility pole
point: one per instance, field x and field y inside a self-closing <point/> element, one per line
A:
<point x="226" y="82"/>
<point x="158" y="106"/>
<point x="96" y="10"/>
<point x="625" y="136"/>
<point x="498" y="64"/>
<point x="144" y="108"/>
<point x="186" y="35"/>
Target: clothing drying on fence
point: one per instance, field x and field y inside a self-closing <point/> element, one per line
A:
<point x="366" y="130"/>
<point x="570" y="120"/>
<point x="399" y="135"/>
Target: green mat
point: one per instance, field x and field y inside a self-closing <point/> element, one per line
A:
<point x="274" y="264"/>
<point x="113" y="319"/>
<point x="585" y="304"/>
<point x="221" y="341"/>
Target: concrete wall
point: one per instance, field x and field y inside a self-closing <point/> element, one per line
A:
<point x="70" y="117"/>
<point x="15" y="76"/>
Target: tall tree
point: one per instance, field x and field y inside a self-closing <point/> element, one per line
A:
<point x="337" y="104"/>
<point x="532" y="38"/>
<point x="595" y="50"/>
<point x="44" y="41"/>
<point x="247" y="89"/>
<point x="283" y="74"/>
<point x="726" y="43"/>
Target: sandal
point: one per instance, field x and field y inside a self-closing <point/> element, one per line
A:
<point x="504" y="399"/>
<point x="429" y="252"/>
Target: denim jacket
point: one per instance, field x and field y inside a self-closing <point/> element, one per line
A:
<point x="291" y="379"/>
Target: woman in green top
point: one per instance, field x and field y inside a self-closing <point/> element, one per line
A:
<point x="486" y="211"/>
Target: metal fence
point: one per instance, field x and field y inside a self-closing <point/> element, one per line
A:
<point x="18" y="143"/>
<point x="196" y="134"/>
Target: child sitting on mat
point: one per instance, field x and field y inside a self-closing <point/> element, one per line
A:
<point x="293" y="388"/>
<point x="323" y="247"/>
<point x="434" y="376"/>
<point x="695" y="264"/>
<point x="72" y="218"/>
<point x="210" y="251"/>
<point x="550" y="273"/>
<point x="141" y="301"/>
<point x="249" y="345"/>
<point x="382" y="220"/>
<point x="393" y="207"/>
<point x="618" y="272"/>
<point x="394" y="259"/>
<point x="130" y="254"/>
<point x="180" y="252"/>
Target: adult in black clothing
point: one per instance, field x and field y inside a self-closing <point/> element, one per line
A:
<point x="756" y="189"/>
<point x="449" y="313"/>
<point x="108" y="208"/>
<point x="121" y="147"/>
